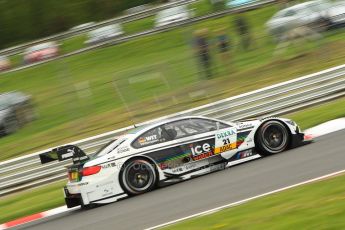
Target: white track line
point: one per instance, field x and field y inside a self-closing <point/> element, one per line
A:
<point x="245" y="200"/>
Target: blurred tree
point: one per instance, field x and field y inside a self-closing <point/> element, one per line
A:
<point x="25" y="20"/>
<point x="218" y="5"/>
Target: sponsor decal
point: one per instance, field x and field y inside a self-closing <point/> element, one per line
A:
<point x="123" y="149"/>
<point x="172" y="162"/>
<point x="76" y="186"/>
<point x="112" y="164"/>
<point x="225" y="148"/>
<point x="80" y="158"/>
<point x="201" y="151"/>
<point x="241" y="137"/>
<point x="245" y="126"/>
<point x="111" y="158"/>
<point x="100" y="185"/>
<point x="107" y="192"/>
<point x="184" y="168"/>
<point x="226" y="134"/>
<point x="148" y="140"/>
<point x="226" y="141"/>
<point x="171" y="158"/>
<point x="197" y="150"/>
<point x="244" y="154"/>
<point x="164" y="165"/>
<point x="67" y="155"/>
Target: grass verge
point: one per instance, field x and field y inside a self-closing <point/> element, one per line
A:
<point x="319" y="114"/>
<point x="31" y="201"/>
<point x="319" y="205"/>
<point x="50" y="196"/>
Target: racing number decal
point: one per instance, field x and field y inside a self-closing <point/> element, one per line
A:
<point x="226" y="140"/>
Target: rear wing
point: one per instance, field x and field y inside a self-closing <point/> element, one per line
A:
<point x="64" y="153"/>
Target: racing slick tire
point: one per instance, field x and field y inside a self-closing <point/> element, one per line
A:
<point x="138" y="176"/>
<point x="272" y="137"/>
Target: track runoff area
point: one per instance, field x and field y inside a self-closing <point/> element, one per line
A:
<point x="317" y="131"/>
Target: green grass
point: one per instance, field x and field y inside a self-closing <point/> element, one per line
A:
<point x="139" y="25"/>
<point x="31" y="201"/>
<point x="16" y="60"/>
<point x="201" y="8"/>
<point x="99" y="90"/>
<point x="319" y="205"/>
<point x="73" y="43"/>
<point x="50" y="196"/>
<point x="319" y="114"/>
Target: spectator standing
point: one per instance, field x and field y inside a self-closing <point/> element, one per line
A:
<point x="223" y="45"/>
<point x="242" y="28"/>
<point x="202" y="51"/>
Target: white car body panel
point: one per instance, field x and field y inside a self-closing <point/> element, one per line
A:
<point x="104" y="33"/>
<point x="172" y="15"/>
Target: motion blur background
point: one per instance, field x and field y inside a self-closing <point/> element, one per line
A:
<point x="150" y="61"/>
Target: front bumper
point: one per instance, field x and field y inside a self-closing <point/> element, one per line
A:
<point x="298" y="139"/>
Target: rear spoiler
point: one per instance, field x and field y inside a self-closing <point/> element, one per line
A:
<point x="64" y="153"/>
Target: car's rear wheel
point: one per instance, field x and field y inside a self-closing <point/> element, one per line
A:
<point x="138" y="176"/>
<point x="272" y="137"/>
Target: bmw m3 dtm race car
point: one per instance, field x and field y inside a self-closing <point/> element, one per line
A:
<point x="168" y="151"/>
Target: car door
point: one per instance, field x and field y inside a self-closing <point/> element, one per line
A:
<point x="184" y="145"/>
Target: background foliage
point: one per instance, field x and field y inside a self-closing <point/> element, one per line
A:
<point x="25" y="20"/>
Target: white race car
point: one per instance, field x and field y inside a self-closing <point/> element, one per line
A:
<point x="172" y="15"/>
<point x="168" y="151"/>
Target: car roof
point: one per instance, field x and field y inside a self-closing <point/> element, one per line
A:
<point x="13" y="97"/>
<point x="298" y="7"/>
<point x="109" y="29"/>
<point x="173" y="10"/>
<point x="41" y="46"/>
<point x="147" y="126"/>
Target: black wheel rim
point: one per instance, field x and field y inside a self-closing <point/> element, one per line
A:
<point x="139" y="176"/>
<point x="275" y="137"/>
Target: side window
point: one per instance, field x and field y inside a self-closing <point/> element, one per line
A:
<point x="176" y="130"/>
<point x="189" y="127"/>
<point x="290" y="13"/>
<point x="209" y="125"/>
<point x="150" y="137"/>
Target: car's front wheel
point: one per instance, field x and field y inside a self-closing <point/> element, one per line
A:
<point x="138" y="176"/>
<point x="272" y="137"/>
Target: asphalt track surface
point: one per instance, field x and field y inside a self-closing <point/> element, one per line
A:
<point x="325" y="156"/>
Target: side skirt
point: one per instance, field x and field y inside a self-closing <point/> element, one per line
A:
<point x="240" y="157"/>
<point x="109" y="199"/>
